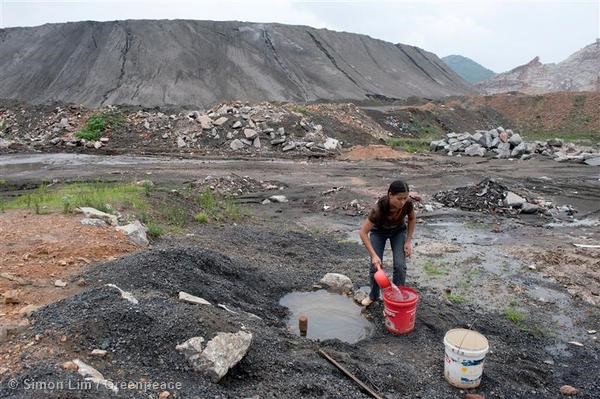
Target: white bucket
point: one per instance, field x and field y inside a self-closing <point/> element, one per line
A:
<point x="465" y="355"/>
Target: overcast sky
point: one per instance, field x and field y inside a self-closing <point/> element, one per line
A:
<point x="498" y="34"/>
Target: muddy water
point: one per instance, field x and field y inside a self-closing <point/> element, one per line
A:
<point x="329" y="315"/>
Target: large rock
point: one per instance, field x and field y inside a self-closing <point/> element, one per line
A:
<point x="337" y="282"/>
<point x="222" y="352"/>
<point x="515" y="140"/>
<point x="513" y="200"/>
<point x="93" y="213"/>
<point x="436" y="145"/>
<point x="475" y="150"/>
<point x="331" y="144"/>
<point x="250" y="134"/>
<point x="520" y="149"/>
<point x="136" y="232"/>
<point x="220" y="121"/>
<point x="478" y="138"/>
<point x="205" y="122"/>
<point x="236" y="145"/>
<point x="555" y="142"/>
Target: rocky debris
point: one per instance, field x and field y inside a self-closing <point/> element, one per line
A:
<point x="185" y="297"/>
<point x="506" y="144"/>
<point x="337" y="282"/>
<point x="124" y="294"/>
<point x="60" y="283"/>
<point x="235" y="185"/>
<point x="92" y="213"/>
<point x="490" y="196"/>
<point x="94" y="376"/>
<point x="136" y="232"/>
<point x="359" y="295"/>
<point x="568" y="390"/>
<point x="222" y="352"/>
<point x="164" y="395"/>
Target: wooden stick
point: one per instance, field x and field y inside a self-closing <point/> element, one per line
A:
<point x="350" y="375"/>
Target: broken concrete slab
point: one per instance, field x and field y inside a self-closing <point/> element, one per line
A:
<point x="222" y="352"/>
<point x="136" y="232"/>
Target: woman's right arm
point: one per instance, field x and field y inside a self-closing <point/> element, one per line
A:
<point x="364" y="236"/>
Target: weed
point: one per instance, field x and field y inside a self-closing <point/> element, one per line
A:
<point x="434" y="270"/>
<point x="514" y="315"/>
<point x="201" y="217"/>
<point x="155" y="230"/>
<point x="456" y="298"/>
<point x="98" y="123"/>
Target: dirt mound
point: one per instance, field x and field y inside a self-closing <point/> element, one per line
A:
<point x="36" y="250"/>
<point x="370" y="152"/>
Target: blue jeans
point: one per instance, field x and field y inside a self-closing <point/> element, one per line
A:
<point x="378" y="238"/>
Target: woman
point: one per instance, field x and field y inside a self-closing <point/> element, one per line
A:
<point x="387" y="220"/>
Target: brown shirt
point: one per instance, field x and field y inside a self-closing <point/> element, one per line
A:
<point x="382" y="219"/>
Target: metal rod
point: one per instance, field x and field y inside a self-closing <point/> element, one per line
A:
<point x="350" y="375"/>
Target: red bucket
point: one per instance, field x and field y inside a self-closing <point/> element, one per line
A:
<point x="400" y="309"/>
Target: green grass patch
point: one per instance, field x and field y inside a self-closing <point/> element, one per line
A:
<point x="155" y="230"/>
<point x="457" y="298"/>
<point x="434" y="270"/>
<point x="409" y="144"/>
<point x="201" y="217"/>
<point x="96" y="125"/>
<point x="100" y="195"/>
<point x="514" y="315"/>
<point x="218" y="208"/>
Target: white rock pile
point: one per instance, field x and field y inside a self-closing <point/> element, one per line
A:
<point x="505" y="144"/>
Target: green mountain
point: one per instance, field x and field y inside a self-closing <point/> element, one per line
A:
<point x="468" y="69"/>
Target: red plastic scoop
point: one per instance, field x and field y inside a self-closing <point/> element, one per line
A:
<point x="381" y="278"/>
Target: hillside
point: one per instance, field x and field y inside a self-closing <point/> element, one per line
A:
<point x="579" y="72"/>
<point x="184" y="62"/>
<point x="468" y="69"/>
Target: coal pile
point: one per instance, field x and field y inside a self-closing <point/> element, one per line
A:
<point x="487" y="195"/>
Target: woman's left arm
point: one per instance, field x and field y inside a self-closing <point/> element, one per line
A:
<point x="412" y="221"/>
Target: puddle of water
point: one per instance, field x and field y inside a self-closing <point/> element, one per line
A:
<point x="329" y="315"/>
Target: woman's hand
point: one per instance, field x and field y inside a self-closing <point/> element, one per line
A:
<point x="408" y="247"/>
<point x="375" y="261"/>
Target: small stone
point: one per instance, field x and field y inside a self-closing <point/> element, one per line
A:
<point x="266" y="201"/>
<point x="104" y="140"/>
<point x="63" y="338"/>
<point x="568" y="390"/>
<point x="70" y="366"/>
<point x="576" y="343"/>
<point x="220" y="121"/>
<point x="98" y="352"/>
<point x="532" y="267"/>
<point x="28" y="310"/>
<point x="185" y="297"/>
<point x="59" y="283"/>
<point x="288" y="147"/>
<point x="591" y="331"/>
<point x="250" y="134"/>
<point x="237" y="125"/>
<point x="236" y="145"/>
<point x="278" y="198"/>
<point x="164" y="395"/>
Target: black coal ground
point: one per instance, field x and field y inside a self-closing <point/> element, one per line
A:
<point x="252" y="269"/>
